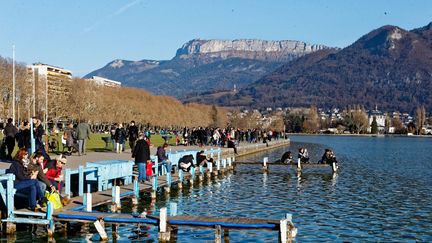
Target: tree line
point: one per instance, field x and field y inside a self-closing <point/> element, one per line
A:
<point x="85" y="100"/>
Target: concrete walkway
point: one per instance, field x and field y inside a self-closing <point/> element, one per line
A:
<point x="74" y="160"/>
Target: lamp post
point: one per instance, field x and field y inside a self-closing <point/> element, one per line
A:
<point x="34" y="92"/>
<point x="13" y="84"/>
<point x="17" y="100"/>
<point x="46" y="103"/>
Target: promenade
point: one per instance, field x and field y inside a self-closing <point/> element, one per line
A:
<point x="74" y="161"/>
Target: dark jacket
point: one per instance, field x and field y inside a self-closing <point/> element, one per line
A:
<point x="133" y="133"/>
<point x="141" y="151"/>
<point x="161" y="154"/>
<point x="10" y="130"/>
<point x="41" y="175"/>
<point x="120" y="135"/>
<point x="39" y="132"/>
<point x="20" y="172"/>
<point x="24" y="138"/>
<point x="328" y="159"/>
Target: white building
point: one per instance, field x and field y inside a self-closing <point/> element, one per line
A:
<point x="105" y="82"/>
<point x="380" y="119"/>
<point x="57" y="78"/>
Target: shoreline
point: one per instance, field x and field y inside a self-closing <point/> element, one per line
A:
<point x="362" y="135"/>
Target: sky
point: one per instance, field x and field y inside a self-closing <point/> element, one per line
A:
<point x="84" y="35"/>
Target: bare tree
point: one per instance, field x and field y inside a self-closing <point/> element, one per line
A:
<point x="420" y="119"/>
<point x="312" y="123"/>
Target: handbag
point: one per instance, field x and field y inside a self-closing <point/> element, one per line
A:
<point x="149" y="169"/>
<point x="54" y="198"/>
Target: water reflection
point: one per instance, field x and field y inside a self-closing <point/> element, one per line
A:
<point x="380" y="194"/>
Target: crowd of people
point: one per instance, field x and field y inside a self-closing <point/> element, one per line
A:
<point x="221" y="136"/>
<point x="74" y="138"/>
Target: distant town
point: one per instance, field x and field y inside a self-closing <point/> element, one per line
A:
<point x="351" y="120"/>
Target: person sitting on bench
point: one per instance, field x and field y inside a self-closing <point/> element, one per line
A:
<point x="287" y="158"/>
<point x="163" y="158"/>
<point x="186" y="162"/>
<point x="25" y="179"/>
<point x="54" y="173"/>
<point x="303" y="155"/>
<point x="328" y="157"/>
<point x="202" y="159"/>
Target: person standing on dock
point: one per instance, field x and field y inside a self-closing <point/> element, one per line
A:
<point x="141" y="153"/>
<point x="38" y="132"/>
<point x="231" y="144"/>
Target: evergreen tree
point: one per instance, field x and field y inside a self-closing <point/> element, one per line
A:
<point x="374" y="126"/>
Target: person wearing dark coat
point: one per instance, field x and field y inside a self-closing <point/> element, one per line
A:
<point x="120" y="137"/>
<point x="287" y="158"/>
<point x="328" y="157"/>
<point x="10" y="131"/>
<point x="26" y="179"/>
<point x="232" y="145"/>
<point x="132" y="134"/>
<point x="24" y="138"/>
<point x="36" y="164"/>
<point x="141" y="153"/>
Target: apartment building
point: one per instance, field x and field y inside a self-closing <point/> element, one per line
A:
<point x="105" y="82"/>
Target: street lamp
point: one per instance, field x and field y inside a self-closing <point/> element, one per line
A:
<point x="13" y="84"/>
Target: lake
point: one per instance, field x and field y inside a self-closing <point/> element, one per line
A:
<point x="382" y="192"/>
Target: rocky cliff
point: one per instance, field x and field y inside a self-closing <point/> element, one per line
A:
<point x="248" y="48"/>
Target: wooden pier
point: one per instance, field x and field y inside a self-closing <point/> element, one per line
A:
<point x="107" y="182"/>
<point x="299" y="166"/>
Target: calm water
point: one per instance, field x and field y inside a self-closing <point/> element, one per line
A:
<point x="381" y="193"/>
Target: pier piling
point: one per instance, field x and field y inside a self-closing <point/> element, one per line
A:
<point x="164" y="233"/>
<point x="299" y="167"/>
<point x="101" y="229"/>
<point x="192" y="172"/>
<point x="265" y="166"/>
<point x="154" y="187"/>
<point x="180" y="180"/>
<point x="136" y="193"/>
<point x="229" y="161"/>
<point x="218" y="234"/>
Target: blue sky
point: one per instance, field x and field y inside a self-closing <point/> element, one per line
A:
<point x="84" y="35"/>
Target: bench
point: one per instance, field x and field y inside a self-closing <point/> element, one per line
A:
<point x="109" y="171"/>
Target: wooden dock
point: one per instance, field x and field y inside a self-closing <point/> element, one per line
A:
<point x="80" y="210"/>
<point x="298" y="165"/>
<point x="87" y="196"/>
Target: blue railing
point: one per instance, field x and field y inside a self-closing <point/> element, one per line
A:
<point x="7" y="192"/>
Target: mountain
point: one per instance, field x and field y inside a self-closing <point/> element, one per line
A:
<point x="206" y="65"/>
<point x="389" y="67"/>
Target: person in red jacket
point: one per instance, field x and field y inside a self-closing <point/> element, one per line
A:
<point x="54" y="174"/>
